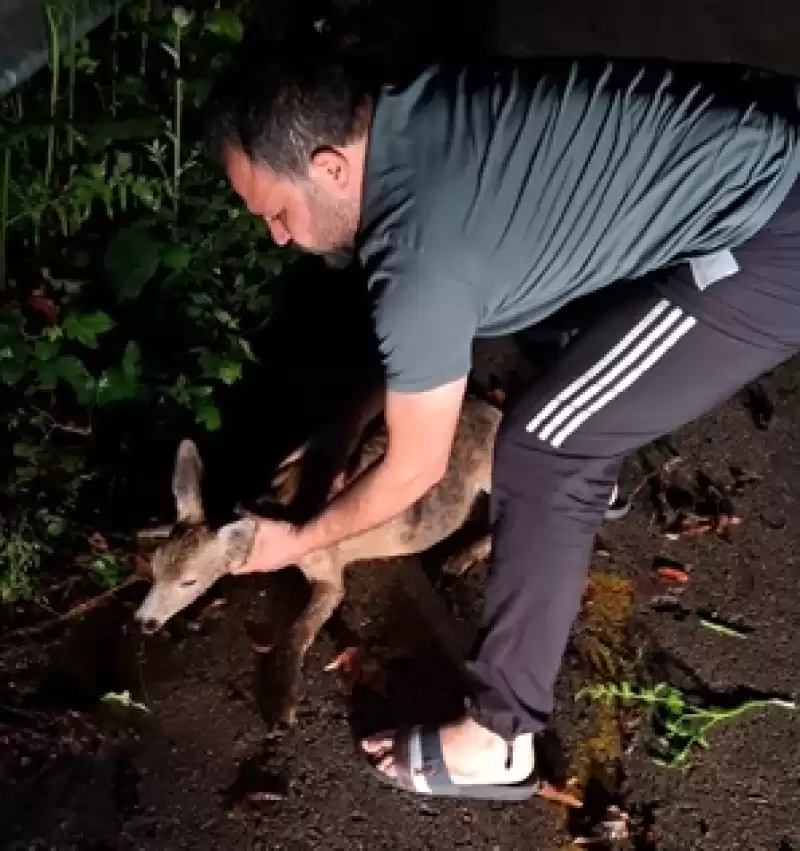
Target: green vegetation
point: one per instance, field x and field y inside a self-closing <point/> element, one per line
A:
<point x="130" y="277"/>
<point x="680" y="725"/>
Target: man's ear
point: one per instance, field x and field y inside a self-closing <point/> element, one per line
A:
<point x="331" y="169"/>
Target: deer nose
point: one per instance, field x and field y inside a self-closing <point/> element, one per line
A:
<point x="149" y="626"/>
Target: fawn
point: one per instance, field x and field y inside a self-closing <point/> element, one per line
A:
<point x="193" y="556"/>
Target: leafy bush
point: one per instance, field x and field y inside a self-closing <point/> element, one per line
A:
<point x="129" y="274"/>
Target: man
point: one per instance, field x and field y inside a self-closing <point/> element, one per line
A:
<point x="480" y="200"/>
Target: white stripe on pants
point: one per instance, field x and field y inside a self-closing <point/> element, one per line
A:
<point x="647" y="342"/>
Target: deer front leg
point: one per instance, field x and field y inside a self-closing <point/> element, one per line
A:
<point x="325" y="597"/>
<point x="460" y="563"/>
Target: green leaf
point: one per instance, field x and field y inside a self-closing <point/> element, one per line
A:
<point x="675" y="703"/>
<point x="97" y="322"/>
<point x="114" y="386"/>
<point x="247" y="349"/>
<point x="102" y="134"/>
<point x="132" y="259"/>
<point x="24" y="450"/>
<point x="177" y="257"/>
<point x="182" y="16"/>
<point x="46" y="349"/>
<point x="81" y="259"/>
<point x="230" y="372"/>
<point x="85" y="327"/>
<point x="130" y="87"/>
<point x="11" y="371"/>
<point x="56" y="527"/>
<point x="73" y="371"/>
<point x="124" y="161"/>
<point x="225" y="24"/>
<point x="47" y="374"/>
<point x="208" y="414"/>
<point x="131" y="361"/>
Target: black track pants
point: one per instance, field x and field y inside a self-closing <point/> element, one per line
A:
<point x="655" y="355"/>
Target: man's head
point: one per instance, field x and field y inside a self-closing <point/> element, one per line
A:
<point x="291" y="134"/>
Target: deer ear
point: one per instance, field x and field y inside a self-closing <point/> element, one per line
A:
<point x="186" y="483"/>
<point x="236" y="539"/>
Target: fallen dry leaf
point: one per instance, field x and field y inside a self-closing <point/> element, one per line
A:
<point x="613" y="828"/>
<point x="673" y="574"/>
<point x="347" y="662"/>
<point x="548" y="792"/>
<point x="615" y="824"/>
<point x="693" y="525"/>
<point x="726" y="520"/>
<point x="359" y="668"/>
<point x="258" y="797"/>
<point x="601" y="548"/>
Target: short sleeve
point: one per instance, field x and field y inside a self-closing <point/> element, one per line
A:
<point x="425" y="320"/>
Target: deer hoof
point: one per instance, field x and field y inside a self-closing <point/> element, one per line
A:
<point x="288" y="714"/>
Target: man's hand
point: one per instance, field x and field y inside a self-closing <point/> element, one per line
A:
<point x="421" y="427"/>
<point x="275" y="546"/>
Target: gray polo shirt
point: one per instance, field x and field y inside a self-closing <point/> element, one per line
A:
<point x="496" y="194"/>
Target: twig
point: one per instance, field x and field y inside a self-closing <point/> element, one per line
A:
<point x="666" y="467"/>
<point x="20" y="713"/>
<point x="83" y="431"/>
<point x="76" y="611"/>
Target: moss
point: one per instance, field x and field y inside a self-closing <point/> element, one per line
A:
<point x="598" y="754"/>
<point x="605" y="641"/>
<point x="605" y="646"/>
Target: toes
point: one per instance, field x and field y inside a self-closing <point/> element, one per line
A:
<point x="386" y="766"/>
<point x="379" y="744"/>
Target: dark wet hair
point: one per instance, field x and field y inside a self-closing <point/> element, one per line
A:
<point x="281" y="106"/>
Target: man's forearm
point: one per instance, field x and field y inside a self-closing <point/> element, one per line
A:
<point x="376" y="496"/>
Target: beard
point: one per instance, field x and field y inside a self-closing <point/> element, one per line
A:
<point x="335" y="227"/>
<point x="339" y="259"/>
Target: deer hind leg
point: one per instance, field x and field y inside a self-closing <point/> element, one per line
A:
<point x="462" y="561"/>
<point x="325" y="598"/>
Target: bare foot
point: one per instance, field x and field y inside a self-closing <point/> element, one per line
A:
<point x="472" y="754"/>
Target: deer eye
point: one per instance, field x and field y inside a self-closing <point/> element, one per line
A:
<point x="187" y="583"/>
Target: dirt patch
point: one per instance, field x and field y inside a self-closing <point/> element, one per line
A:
<point x="205" y="767"/>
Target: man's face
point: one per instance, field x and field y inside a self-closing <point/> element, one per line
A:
<point x="318" y="214"/>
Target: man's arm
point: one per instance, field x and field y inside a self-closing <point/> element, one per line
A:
<point x="420" y="427"/>
<point x="425" y="319"/>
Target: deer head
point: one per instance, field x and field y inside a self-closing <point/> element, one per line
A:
<point x="190" y="557"/>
